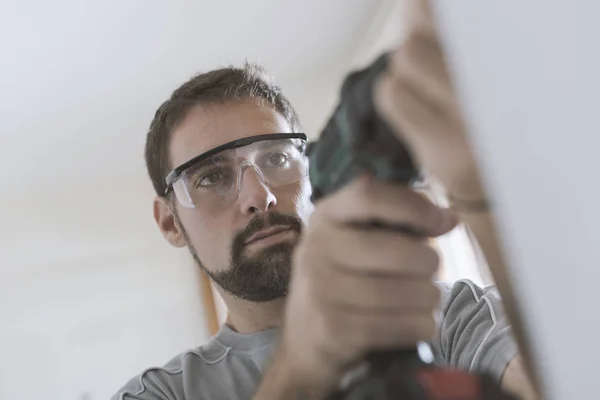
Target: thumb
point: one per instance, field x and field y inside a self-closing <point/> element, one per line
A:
<point x="419" y="15"/>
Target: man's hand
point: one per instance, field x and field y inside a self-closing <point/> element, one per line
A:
<point x="416" y="97"/>
<point x="516" y="381"/>
<point x="358" y="289"/>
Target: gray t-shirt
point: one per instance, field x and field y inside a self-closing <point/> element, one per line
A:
<point x="473" y="335"/>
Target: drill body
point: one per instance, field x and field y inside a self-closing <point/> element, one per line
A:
<point x="356" y="141"/>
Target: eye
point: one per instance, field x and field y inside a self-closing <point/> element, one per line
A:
<point x="211" y="178"/>
<point x="276" y="160"/>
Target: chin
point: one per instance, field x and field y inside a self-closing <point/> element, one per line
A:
<point x="263" y="276"/>
<point x="276" y="256"/>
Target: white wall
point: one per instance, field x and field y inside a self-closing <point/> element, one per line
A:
<point x="528" y="75"/>
<point x="90" y="292"/>
<point x="114" y="299"/>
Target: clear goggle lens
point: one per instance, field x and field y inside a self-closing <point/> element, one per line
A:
<point x="219" y="177"/>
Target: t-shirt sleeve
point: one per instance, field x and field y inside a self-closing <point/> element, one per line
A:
<point x="152" y="384"/>
<point x="473" y="332"/>
<point x="147" y="386"/>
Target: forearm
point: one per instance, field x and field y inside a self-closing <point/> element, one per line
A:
<point x="483" y="229"/>
<point x="515" y="380"/>
<point x="482" y="225"/>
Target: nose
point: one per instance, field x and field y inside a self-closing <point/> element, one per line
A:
<point x="254" y="195"/>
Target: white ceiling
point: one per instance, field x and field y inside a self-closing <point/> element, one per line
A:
<point x="80" y="255"/>
<point x="80" y="81"/>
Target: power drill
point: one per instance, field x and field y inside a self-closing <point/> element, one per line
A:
<point x="356" y="140"/>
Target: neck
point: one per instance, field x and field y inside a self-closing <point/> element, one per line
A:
<point x="247" y="317"/>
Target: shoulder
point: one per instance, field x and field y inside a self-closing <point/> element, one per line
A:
<point x="168" y="381"/>
<point x="473" y="331"/>
<point x="463" y="295"/>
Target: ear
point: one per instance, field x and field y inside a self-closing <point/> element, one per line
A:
<point x="165" y="219"/>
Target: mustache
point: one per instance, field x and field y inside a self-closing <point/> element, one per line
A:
<point x="259" y="223"/>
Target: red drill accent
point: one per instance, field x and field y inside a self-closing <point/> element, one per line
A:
<point x="449" y="385"/>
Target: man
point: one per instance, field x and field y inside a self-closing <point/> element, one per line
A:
<point x="226" y="158"/>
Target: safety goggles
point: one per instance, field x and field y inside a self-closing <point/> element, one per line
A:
<point x="216" y="176"/>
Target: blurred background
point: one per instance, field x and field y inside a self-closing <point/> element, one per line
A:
<point x="90" y="293"/>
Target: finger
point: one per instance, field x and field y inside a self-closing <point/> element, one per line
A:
<point x="421" y="61"/>
<point x="378" y="253"/>
<point x="392" y="204"/>
<point x="406" y="108"/>
<point x="372" y="332"/>
<point x="419" y="15"/>
<point x="405" y="332"/>
<point x="350" y="293"/>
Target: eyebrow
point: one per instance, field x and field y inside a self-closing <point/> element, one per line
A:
<point x="210" y="161"/>
<point x="261" y="145"/>
<point x="270" y="143"/>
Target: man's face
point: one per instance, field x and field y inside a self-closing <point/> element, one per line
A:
<point x="222" y="236"/>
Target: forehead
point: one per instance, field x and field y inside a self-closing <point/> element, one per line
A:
<point x="208" y="126"/>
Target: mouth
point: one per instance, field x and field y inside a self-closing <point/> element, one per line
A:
<point x="265" y="233"/>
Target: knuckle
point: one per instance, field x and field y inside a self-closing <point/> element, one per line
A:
<point x="370" y="246"/>
<point x="421" y="206"/>
<point x="423" y="212"/>
<point x="430" y="260"/>
<point x="424" y="258"/>
<point x="395" y="250"/>
<point x="414" y="255"/>
<point x="434" y="220"/>
<point x="431" y="296"/>
<point x="420" y="296"/>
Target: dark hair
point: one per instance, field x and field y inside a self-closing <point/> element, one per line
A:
<point x="222" y="85"/>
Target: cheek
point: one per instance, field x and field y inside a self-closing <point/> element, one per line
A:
<point x="304" y="207"/>
<point x="208" y="234"/>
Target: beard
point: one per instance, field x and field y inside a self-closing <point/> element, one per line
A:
<point x="264" y="276"/>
